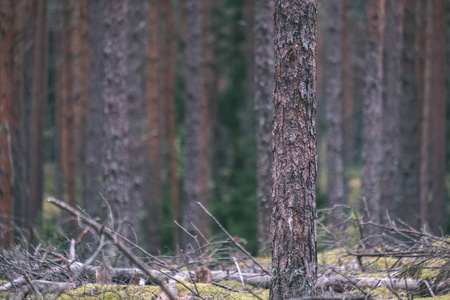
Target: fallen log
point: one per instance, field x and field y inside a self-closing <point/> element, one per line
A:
<point x="341" y="283"/>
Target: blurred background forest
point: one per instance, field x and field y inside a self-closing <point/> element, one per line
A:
<point x="137" y="109"/>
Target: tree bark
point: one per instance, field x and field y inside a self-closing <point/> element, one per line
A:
<point x="392" y="71"/>
<point x="263" y="81"/>
<point x="294" y="253"/>
<point x="124" y="158"/>
<point x="437" y="213"/>
<point x="6" y="113"/>
<point x="191" y="210"/>
<point x="95" y="116"/>
<point x="169" y="99"/>
<point x="38" y="102"/>
<point x="334" y="108"/>
<point x="154" y="139"/>
<point x="372" y="113"/>
<point x="408" y="208"/>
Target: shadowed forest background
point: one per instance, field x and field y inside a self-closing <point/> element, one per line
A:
<point x="135" y="110"/>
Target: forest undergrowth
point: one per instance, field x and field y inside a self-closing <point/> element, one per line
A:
<point x="394" y="261"/>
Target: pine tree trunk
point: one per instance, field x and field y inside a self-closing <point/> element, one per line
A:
<point x="38" y="101"/>
<point x="191" y="210"/>
<point x="263" y="81"/>
<point x="372" y="114"/>
<point x="392" y="70"/>
<point x="409" y="205"/>
<point x="437" y="211"/>
<point x="95" y="115"/>
<point x="169" y="99"/>
<point x="334" y="108"/>
<point x="294" y="253"/>
<point x="154" y="143"/>
<point x="6" y="113"/>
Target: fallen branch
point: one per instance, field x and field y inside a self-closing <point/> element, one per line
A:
<point x="114" y="237"/>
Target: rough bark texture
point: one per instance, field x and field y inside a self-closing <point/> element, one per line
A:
<point x="6" y="113"/>
<point x="334" y="108"/>
<point x="294" y="253"/>
<point x="124" y="157"/>
<point x="38" y="100"/>
<point x="437" y="213"/>
<point x="170" y="118"/>
<point x="192" y="120"/>
<point x="263" y="81"/>
<point x="372" y="112"/>
<point x="392" y="71"/>
<point x="408" y="201"/>
<point x="94" y="130"/>
<point x="154" y="139"/>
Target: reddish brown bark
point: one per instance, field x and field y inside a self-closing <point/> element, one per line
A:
<point x="38" y="100"/>
<point x="204" y="100"/>
<point x="372" y="113"/>
<point x="6" y="113"/>
<point x="437" y="211"/>
<point x="294" y="253"/>
<point x="154" y="142"/>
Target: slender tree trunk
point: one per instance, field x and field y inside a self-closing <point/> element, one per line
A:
<point x="334" y="108"/>
<point x="204" y="126"/>
<point x="94" y="129"/>
<point x="6" y="113"/>
<point x="191" y="210"/>
<point x="263" y="81"/>
<point x="38" y="101"/>
<point x="154" y="143"/>
<point x="294" y="253"/>
<point x="169" y="98"/>
<point x="391" y="106"/>
<point x="409" y="205"/>
<point x="372" y="114"/>
<point x="347" y="89"/>
<point x="424" y="48"/>
<point x="136" y="115"/>
<point x="437" y="211"/>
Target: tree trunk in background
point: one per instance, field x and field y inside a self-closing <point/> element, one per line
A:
<point x="191" y="211"/>
<point x="263" y="81"/>
<point x="94" y="128"/>
<point x="137" y="168"/>
<point x="66" y="106"/>
<point x="204" y="126"/>
<point x="6" y="114"/>
<point x="83" y="89"/>
<point x="320" y="80"/>
<point x="372" y="114"/>
<point x="294" y="253"/>
<point x="38" y="101"/>
<point x="116" y="124"/>
<point x="392" y="77"/>
<point x="347" y="90"/>
<point x="20" y="187"/>
<point x="437" y="212"/>
<point x="408" y="208"/>
<point x="94" y="132"/>
<point x="334" y="109"/>
<point x="154" y="133"/>
<point x="424" y="48"/>
<point x="169" y="99"/>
